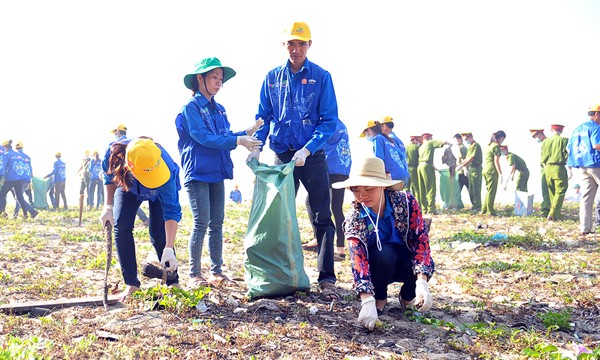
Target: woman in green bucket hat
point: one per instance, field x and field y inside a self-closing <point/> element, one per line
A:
<point x="205" y="143"/>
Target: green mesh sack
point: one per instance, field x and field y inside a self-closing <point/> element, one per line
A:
<point x="274" y="263"/>
<point x="40" y="189"/>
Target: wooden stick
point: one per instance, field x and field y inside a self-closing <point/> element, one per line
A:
<point x="108" y="234"/>
<point x="19" y="308"/>
<point x="80" y="208"/>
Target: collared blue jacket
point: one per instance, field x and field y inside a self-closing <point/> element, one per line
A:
<point x="95" y="169"/>
<point x="581" y="146"/>
<point x="16" y="166"/>
<point x="168" y="193"/>
<point x="27" y="160"/>
<point x="393" y="156"/>
<point x="205" y="141"/>
<point x="299" y="110"/>
<point x="59" y="171"/>
<point x="2" y="162"/>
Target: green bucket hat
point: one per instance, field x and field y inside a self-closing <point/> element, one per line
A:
<point x="204" y="66"/>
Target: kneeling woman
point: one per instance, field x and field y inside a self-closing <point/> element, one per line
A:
<point x="388" y="241"/>
<point x="134" y="171"/>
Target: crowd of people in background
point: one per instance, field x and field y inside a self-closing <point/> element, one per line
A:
<point x="16" y="177"/>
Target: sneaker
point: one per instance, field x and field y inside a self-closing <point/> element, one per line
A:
<point x="34" y="214"/>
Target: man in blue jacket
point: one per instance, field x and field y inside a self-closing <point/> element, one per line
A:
<point x="299" y="109"/>
<point x="584" y="154"/>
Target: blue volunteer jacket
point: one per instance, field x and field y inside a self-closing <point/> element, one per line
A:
<point x="168" y="193"/>
<point x="59" y="171"/>
<point x="392" y="156"/>
<point x="16" y="166"/>
<point x="27" y="161"/>
<point x="2" y="162"/>
<point x="299" y="110"/>
<point x="205" y="141"/>
<point x="581" y="146"/>
<point x="337" y="151"/>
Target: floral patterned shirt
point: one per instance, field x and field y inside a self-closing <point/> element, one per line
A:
<point x="409" y="223"/>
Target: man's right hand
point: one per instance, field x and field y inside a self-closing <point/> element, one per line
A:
<point x="253" y="155"/>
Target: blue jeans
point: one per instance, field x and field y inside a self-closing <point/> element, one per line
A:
<point x="391" y="264"/>
<point x="95" y="187"/>
<point x="314" y="175"/>
<point x="207" y="203"/>
<point x="125" y="209"/>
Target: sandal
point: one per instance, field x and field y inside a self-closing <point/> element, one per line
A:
<point x="328" y="291"/>
<point x="217" y="279"/>
<point x="311" y="245"/>
<point x="339" y="256"/>
<point x="196" y="282"/>
<point x="126" y="294"/>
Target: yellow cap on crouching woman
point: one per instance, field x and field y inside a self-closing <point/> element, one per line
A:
<point x="144" y="160"/>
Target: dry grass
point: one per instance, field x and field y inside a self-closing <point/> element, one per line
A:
<point x="492" y="298"/>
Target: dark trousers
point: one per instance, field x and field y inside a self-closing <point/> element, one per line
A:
<point x="125" y="210"/>
<point x="463" y="181"/>
<point x="337" y="204"/>
<point x="314" y="176"/>
<point x="391" y="264"/>
<point x="17" y="185"/>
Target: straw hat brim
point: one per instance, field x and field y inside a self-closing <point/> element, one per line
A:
<point x="360" y="180"/>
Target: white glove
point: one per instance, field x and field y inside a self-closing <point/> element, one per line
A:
<point x="254" y="128"/>
<point x="168" y="260"/>
<point x="423" y="299"/>
<point x="300" y="156"/>
<point x="255" y="154"/>
<point x="107" y="215"/>
<point x="368" y="313"/>
<point x="249" y="142"/>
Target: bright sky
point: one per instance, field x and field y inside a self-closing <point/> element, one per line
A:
<point x="72" y="70"/>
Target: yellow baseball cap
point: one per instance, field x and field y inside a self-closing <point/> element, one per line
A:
<point x="144" y="160"/>
<point x="370" y="124"/>
<point x="595" y="107"/>
<point x="298" y="31"/>
<point x="58" y="154"/>
<point x="19" y="145"/>
<point x="6" y="142"/>
<point x="120" y="127"/>
<point x="387" y="119"/>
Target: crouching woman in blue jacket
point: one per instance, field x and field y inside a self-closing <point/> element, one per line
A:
<point x="137" y="170"/>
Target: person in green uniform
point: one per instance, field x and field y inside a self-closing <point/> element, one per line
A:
<point x="492" y="171"/>
<point x="517" y="164"/>
<point x="472" y="163"/>
<point x="426" y="173"/>
<point x="539" y="136"/>
<point x="412" y="159"/>
<point x="554" y="158"/>
<point x="460" y="152"/>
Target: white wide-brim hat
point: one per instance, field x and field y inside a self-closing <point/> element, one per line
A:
<point x="369" y="172"/>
